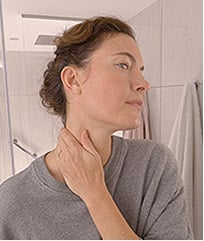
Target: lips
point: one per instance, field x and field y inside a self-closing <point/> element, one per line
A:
<point x="135" y="103"/>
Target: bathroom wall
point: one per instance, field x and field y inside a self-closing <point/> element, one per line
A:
<point x="5" y="150"/>
<point x="32" y="126"/>
<point x="170" y="38"/>
<point x="169" y="34"/>
<point x="147" y="26"/>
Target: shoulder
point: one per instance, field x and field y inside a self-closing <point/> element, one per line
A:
<point x="17" y="180"/>
<point x="15" y="191"/>
<point x="152" y="173"/>
<point x="147" y="146"/>
<point x="158" y="166"/>
<point x="151" y="160"/>
<point x="14" y="184"/>
<point x="152" y="152"/>
<point x="23" y="179"/>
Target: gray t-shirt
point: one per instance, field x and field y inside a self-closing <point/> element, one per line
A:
<point x="142" y="177"/>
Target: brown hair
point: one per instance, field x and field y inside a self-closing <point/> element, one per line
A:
<point x="75" y="47"/>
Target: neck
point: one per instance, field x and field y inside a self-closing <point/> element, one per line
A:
<point x="100" y="138"/>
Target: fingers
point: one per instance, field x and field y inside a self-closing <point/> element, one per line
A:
<point x="69" y="139"/>
<point x="87" y="143"/>
<point x="79" y="163"/>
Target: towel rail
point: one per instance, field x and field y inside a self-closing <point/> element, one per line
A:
<point x="197" y="84"/>
<point x="15" y="142"/>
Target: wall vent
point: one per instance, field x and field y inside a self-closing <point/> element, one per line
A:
<point x="45" y="40"/>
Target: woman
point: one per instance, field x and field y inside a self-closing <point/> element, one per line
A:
<point x="94" y="185"/>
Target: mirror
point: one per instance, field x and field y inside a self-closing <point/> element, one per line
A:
<point x="169" y="35"/>
<point x="6" y="151"/>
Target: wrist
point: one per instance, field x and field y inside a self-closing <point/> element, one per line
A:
<point x="97" y="197"/>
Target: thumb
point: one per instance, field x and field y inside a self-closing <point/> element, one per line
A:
<point x="87" y="143"/>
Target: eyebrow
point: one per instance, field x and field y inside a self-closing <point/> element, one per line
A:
<point x="130" y="56"/>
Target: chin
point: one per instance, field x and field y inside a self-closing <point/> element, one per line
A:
<point x="130" y="126"/>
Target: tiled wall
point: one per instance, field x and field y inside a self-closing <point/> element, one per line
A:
<point x="147" y="26"/>
<point x="5" y="153"/>
<point x="32" y="126"/>
<point x="170" y="37"/>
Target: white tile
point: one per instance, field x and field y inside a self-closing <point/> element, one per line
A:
<point x="150" y="16"/>
<point x="35" y="65"/>
<point x="32" y="127"/>
<point x="41" y="126"/>
<point x="150" y="47"/>
<point x="5" y="152"/>
<point x="22" y="160"/>
<point x="154" y="113"/>
<point x="182" y="41"/>
<point x="15" y="73"/>
<point x="2" y="86"/>
<point x="183" y="13"/>
<point x="25" y="72"/>
<point x="170" y="100"/>
<point x="147" y="26"/>
<point x="182" y="56"/>
<point x="5" y="160"/>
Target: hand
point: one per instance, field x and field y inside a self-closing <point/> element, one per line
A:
<point x="80" y="164"/>
<point x="81" y="167"/>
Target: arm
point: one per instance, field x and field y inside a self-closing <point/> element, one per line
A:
<point x="82" y="169"/>
<point x="107" y="217"/>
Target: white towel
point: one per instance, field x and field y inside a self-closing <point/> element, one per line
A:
<point x="186" y="143"/>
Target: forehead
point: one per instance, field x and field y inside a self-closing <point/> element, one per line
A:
<point x="119" y="43"/>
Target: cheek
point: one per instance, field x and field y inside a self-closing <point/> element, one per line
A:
<point x="106" y="91"/>
<point x="110" y="94"/>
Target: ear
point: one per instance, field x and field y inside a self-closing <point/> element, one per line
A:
<point x="69" y="77"/>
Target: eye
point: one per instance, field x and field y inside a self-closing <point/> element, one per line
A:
<point x="123" y="66"/>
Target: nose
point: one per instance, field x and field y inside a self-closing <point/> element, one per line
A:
<point x="140" y="84"/>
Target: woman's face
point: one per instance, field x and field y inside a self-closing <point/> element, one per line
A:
<point x="112" y="94"/>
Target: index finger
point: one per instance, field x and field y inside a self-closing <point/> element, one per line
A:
<point x="69" y="138"/>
